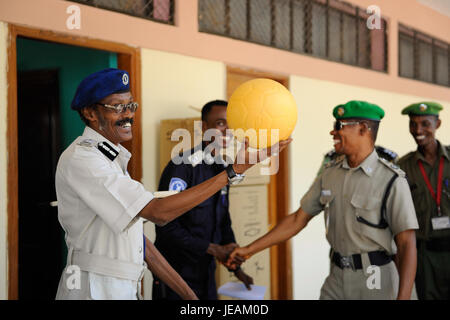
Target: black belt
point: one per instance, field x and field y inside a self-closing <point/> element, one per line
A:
<point x="377" y="258"/>
<point x="438" y="245"/>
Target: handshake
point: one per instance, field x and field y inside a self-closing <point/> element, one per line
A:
<point x="232" y="256"/>
<point x="237" y="257"/>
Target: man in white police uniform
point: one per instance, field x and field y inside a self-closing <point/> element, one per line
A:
<point x="100" y="207"/>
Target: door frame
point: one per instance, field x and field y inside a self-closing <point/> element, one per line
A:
<point x="128" y="59"/>
<point x="278" y="201"/>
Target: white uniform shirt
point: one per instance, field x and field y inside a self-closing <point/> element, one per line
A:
<point x="98" y="203"/>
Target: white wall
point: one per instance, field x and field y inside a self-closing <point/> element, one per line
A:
<point x="170" y="84"/>
<point x="3" y="162"/>
<point x="316" y="100"/>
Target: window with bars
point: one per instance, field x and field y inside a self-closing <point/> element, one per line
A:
<point x="156" y="10"/>
<point x="422" y="57"/>
<point x="328" y="29"/>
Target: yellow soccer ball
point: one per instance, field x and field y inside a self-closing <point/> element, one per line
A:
<point x="262" y="110"/>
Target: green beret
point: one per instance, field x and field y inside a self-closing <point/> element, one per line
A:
<point x="423" y="109"/>
<point x="358" y="110"/>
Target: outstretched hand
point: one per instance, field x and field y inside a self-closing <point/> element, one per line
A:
<point x="237" y="257"/>
<point x="221" y="252"/>
<point x="245" y="159"/>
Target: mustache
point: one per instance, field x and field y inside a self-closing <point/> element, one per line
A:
<point x="123" y="121"/>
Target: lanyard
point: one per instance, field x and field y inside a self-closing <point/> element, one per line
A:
<point x="436" y="197"/>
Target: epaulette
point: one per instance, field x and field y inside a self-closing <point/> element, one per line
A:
<point x="87" y="143"/>
<point x="386" y="153"/>
<point x="331" y="154"/>
<point x="107" y="150"/>
<point x="336" y="161"/>
<point x="393" y="167"/>
<point x="196" y="158"/>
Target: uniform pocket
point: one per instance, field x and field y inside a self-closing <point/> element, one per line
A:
<point x="368" y="218"/>
<point x="367" y="208"/>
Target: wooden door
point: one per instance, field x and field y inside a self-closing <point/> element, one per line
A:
<point x="278" y="195"/>
<point x="128" y="59"/>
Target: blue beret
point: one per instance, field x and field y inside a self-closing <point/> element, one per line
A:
<point x="99" y="85"/>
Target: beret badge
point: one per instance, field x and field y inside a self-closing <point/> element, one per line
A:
<point x="423" y="107"/>
<point x="341" y="111"/>
<point x="125" y="79"/>
<point x="99" y="85"/>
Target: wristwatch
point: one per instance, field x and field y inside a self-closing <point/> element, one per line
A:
<point x="233" y="177"/>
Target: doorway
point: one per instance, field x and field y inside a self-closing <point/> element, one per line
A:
<point x="47" y="77"/>
<point x="40" y="236"/>
<point x="277" y="193"/>
<point x="44" y="70"/>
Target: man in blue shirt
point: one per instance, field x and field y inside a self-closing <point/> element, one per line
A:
<point x="192" y="242"/>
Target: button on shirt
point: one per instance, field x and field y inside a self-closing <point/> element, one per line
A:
<point x="98" y="203"/>
<point x="346" y="193"/>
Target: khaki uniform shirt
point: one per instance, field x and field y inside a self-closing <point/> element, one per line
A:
<point x="346" y="193"/>
<point x="98" y="203"/>
<point x="424" y="203"/>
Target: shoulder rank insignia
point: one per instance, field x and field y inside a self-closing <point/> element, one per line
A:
<point x="107" y="150"/>
<point x="331" y="154"/>
<point x="335" y="161"/>
<point x="86" y="143"/>
<point x="393" y="167"/>
<point x="386" y="153"/>
<point x="196" y="158"/>
<point x="208" y="158"/>
<point x="340" y="158"/>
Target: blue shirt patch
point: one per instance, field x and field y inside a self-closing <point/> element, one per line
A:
<point x="177" y="184"/>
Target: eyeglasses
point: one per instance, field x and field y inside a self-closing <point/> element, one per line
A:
<point x="338" y="125"/>
<point x="119" y="108"/>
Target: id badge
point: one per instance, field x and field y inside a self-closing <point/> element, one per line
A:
<point x="440" y="223"/>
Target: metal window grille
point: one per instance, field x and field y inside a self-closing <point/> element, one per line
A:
<point x="422" y="57"/>
<point x="156" y="10"/>
<point x="329" y="29"/>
